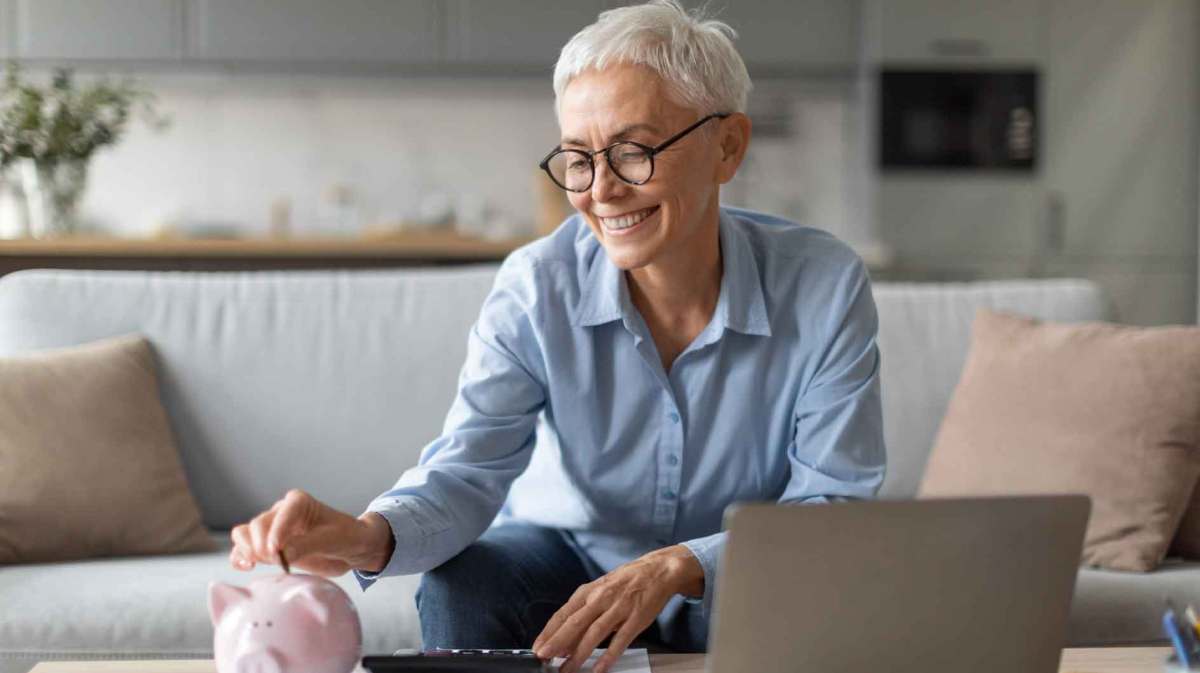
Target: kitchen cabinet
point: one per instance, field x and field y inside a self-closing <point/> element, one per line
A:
<point x="795" y="35"/>
<point x="8" y="32"/>
<point x="960" y="217"/>
<point x="773" y="35"/>
<point x="959" y="31"/>
<point x="1121" y="127"/>
<point x="391" y="32"/>
<point x="1140" y="292"/>
<point x="520" y="37"/>
<point x="522" y="33"/>
<point x="95" y="30"/>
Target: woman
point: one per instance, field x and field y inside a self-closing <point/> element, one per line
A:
<point x="652" y="361"/>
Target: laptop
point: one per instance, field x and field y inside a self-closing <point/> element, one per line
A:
<point x="921" y="586"/>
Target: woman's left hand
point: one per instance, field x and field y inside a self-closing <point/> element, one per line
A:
<point x="624" y="602"/>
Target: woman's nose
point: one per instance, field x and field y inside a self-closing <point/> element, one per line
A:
<point x="605" y="183"/>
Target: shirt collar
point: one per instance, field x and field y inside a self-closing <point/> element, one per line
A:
<point x="741" y="305"/>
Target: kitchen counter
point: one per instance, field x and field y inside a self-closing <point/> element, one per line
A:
<point x="407" y="249"/>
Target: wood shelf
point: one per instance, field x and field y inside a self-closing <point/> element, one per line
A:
<point x="437" y="246"/>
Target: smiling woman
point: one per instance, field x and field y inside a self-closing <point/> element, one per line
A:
<point x="652" y="361"/>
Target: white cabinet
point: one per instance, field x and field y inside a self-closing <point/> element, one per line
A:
<point x="966" y="31"/>
<point x="499" y="33"/>
<point x="99" y="29"/>
<point x="308" y="31"/>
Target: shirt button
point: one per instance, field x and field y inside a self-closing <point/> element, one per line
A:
<point x="673" y="416"/>
<point x="668" y="494"/>
<point x="672" y="460"/>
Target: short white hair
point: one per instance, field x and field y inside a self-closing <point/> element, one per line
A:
<point x="694" y="55"/>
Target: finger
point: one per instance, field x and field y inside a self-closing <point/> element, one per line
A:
<point x="288" y="520"/>
<point x="577" y="600"/>
<point x="595" y="634"/>
<point x="543" y="645"/>
<point x="238" y="561"/>
<point x="550" y="629"/>
<point x="566" y="639"/>
<point x="242" y="546"/>
<point x="620" y="641"/>
<point x="258" y="536"/>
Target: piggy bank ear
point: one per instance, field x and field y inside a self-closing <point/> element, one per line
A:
<point x="306" y="597"/>
<point x="221" y="596"/>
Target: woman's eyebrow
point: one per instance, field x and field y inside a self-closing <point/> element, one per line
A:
<point x="625" y="132"/>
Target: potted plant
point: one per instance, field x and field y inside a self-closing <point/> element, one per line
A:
<point x="49" y="133"/>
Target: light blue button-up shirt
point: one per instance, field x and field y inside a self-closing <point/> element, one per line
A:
<point x="777" y="399"/>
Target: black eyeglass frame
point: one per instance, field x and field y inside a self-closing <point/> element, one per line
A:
<point x="651" y="152"/>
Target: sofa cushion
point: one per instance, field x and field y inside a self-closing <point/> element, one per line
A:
<point x="88" y="466"/>
<point x="156" y="607"/>
<point x="1116" y="608"/>
<point x="1107" y="410"/>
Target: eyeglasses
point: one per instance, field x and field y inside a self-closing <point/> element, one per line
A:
<point x="575" y="170"/>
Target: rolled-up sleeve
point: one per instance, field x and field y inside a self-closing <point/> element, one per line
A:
<point x="444" y="503"/>
<point x="837" y="452"/>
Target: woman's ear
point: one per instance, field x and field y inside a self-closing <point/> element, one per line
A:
<point x="735" y="138"/>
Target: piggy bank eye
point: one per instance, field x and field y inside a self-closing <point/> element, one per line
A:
<point x="256" y="625"/>
<point x="268" y="623"/>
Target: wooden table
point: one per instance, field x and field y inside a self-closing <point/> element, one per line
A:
<point x="1083" y="660"/>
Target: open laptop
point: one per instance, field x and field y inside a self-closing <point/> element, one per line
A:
<point x="923" y="586"/>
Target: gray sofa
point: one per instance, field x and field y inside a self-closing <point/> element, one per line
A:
<point x="333" y="382"/>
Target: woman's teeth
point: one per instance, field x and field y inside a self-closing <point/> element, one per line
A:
<point x="626" y="221"/>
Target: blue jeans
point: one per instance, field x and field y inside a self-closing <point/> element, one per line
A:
<point x="502" y="589"/>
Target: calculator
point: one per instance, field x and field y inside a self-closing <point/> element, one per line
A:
<point x="457" y="660"/>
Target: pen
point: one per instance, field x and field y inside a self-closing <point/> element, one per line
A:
<point x="1171" y="626"/>
<point x="1191" y="617"/>
<point x="1186" y="629"/>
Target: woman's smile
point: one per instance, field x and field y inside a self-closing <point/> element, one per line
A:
<point x="628" y="223"/>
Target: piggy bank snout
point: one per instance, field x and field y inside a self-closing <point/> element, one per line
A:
<point x="258" y="661"/>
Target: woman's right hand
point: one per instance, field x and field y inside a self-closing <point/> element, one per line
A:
<point x="314" y="537"/>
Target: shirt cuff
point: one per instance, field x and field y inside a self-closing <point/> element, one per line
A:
<point x="707" y="551"/>
<point x="407" y="535"/>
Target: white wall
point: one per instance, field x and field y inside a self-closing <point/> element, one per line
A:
<point x="238" y="143"/>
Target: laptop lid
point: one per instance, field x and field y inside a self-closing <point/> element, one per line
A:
<point x="981" y="585"/>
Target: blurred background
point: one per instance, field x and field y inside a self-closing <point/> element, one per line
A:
<point x="943" y="139"/>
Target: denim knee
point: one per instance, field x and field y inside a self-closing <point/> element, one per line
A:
<point x="464" y="581"/>
<point x="463" y="603"/>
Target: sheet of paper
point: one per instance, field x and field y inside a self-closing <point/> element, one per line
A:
<point x="631" y="661"/>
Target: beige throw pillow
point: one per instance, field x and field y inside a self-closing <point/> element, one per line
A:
<point x="88" y="466"/>
<point x="1106" y="410"/>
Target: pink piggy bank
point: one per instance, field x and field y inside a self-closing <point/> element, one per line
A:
<point x="284" y="624"/>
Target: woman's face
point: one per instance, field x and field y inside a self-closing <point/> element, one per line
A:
<point x="641" y="224"/>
